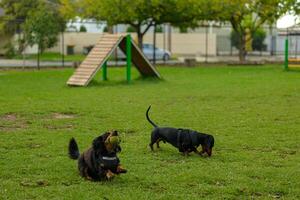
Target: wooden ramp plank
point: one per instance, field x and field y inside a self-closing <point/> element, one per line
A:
<point x="139" y="60"/>
<point x="94" y="60"/>
<point x="100" y="53"/>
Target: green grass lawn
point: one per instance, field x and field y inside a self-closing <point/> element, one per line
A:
<point x="48" y="56"/>
<point x="253" y="113"/>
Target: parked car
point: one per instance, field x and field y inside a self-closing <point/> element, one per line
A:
<point x="160" y="54"/>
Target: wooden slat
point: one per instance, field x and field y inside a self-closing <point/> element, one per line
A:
<point x="91" y="62"/>
<point x="111" y="36"/>
<point x="294" y="60"/>
<point x="77" y="81"/>
<point x="85" y="72"/>
<point x="97" y="53"/>
<point x="294" y="66"/>
<point x="107" y="42"/>
<point x="82" y="80"/>
<point x="81" y="76"/>
<point x="94" y="58"/>
<point x="88" y="67"/>
<point x="102" y="49"/>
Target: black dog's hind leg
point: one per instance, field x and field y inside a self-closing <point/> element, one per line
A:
<point x="154" y="139"/>
<point x="83" y="168"/>
<point x="157" y="142"/>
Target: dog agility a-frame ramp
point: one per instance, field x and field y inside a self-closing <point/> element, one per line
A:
<point x="98" y="56"/>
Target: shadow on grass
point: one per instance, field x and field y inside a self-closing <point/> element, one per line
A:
<point x="137" y="81"/>
<point x="293" y="70"/>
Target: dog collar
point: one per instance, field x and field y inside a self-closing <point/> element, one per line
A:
<point x="109" y="158"/>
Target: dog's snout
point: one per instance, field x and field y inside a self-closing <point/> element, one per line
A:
<point x="209" y="152"/>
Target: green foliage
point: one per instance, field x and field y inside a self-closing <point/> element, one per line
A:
<point x="253" y="113"/>
<point x="159" y="29"/>
<point x="130" y="29"/>
<point x="259" y="37"/>
<point x="82" y="28"/>
<point x="235" y="39"/>
<point x="183" y="29"/>
<point x="142" y="14"/>
<point x="16" y="13"/>
<point x="10" y="50"/>
<point x="68" y="9"/>
<point x="42" y="27"/>
<point x="252" y="15"/>
<point x="105" y="29"/>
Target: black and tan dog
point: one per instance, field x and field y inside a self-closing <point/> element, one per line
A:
<point x="184" y="139"/>
<point x="100" y="162"/>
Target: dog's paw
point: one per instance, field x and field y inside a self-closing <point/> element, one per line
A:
<point x="109" y="175"/>
<point x="121" y="170"/>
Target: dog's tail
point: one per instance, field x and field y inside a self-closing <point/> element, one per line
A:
<point x="149" y="120"/>
<point x="73" y="149"/>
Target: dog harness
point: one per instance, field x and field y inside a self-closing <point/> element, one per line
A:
<point x="186" y="139"/>
<point x="179" y="138"/>
<point x="109" y="162"/>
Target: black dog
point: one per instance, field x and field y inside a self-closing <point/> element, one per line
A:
<point x="184" y="139"/>
<point x="100" y="162"/>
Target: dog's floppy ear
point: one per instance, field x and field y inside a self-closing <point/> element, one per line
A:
<point x="211" y="141"/>
<point x="98" y="144"/>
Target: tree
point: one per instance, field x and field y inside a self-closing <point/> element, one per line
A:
<point x="251" y="16"/>
<point x="68" y="8"/>
<point x="135" y="13"/>
<point x="82" y="28"/>
<point x="42" y="27"/>
<point x="257" y="41"/>
<point x="16" y="12"/>
<point x="141" y="14"/>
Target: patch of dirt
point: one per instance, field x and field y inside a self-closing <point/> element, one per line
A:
<point x="38" y="183"/>
<point x="11" y="122"/>
<point x="11" y="117"/>
<point x="277" y="195"/>
<point x="127" y="131"/>
<point x="286" y="153"/>
<point x="69" y="183"/>
<point x="53" y="127"/>
<point x="63" y="115"/>
<point x="256" y="194"/>
<point x="12" y="128"/>
<point x="33" y="146"/>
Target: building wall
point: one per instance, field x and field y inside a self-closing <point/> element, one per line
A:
<point x="181" y="43"/>
<point x="187" y="43"/>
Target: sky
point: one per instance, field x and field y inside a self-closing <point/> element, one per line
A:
<point x="287" y="21"/>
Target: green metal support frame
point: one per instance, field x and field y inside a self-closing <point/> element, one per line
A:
<point x="104" y="73"/>
<point x="128" y="57"/>
<point x="286" y="55"/>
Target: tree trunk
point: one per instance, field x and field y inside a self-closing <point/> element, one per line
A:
<point x="140" y="39"/>
<point x="38" y="58"/>
<point x="242" y="49"/>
